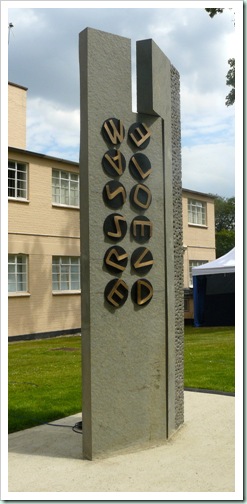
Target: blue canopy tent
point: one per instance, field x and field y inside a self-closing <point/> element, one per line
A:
<point x="214" y="292"/>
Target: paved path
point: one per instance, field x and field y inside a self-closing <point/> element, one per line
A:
<point x="198" y="458"/>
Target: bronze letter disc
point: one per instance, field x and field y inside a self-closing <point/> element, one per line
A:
<point x="141" y="228"/>
<point x="114" y="163"/>
<point x="142" y="260"/>
<point x="142" y="292"/>
<point x="113" y="131"/>
<point x="114" y="194"/>
<point x="139" y="134"/>
<point x="140" y="197"/>
<point x="140" y="166"/>
<point x="115" y="227"/>
<point x="116" y="259"/>
<point x="116" y="292"/>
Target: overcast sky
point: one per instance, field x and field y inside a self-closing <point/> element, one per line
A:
<point x="43" y="56"/>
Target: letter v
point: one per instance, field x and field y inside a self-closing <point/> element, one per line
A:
<point x="139" y="263"/>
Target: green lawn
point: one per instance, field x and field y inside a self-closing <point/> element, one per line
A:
<point x="45" y="375"/>
<point x="209" y="358"/>
<point x="44" y="381"/>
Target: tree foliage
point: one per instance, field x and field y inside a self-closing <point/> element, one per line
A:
<point x="230" y="76"/>
<point x="224" y="213"/>
<point x="212" y="12"/>
<point x="224" y="224"/>
<point x="225" y="241"/>
<point x="230" y="81"/>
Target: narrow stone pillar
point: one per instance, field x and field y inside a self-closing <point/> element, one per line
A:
<point x="131" y="246"/>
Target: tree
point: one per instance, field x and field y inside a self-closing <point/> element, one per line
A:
<point x="224" y="224"/>
<point x="225" y="241"/>
<point x="230" y="76"/>
<point x="212" y="12"/>
<point x="230" y="81"/>
<point x="224" y="213"/>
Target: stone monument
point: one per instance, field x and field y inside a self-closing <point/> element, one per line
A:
<point x="131" y="246"/>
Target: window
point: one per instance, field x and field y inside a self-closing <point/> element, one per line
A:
<point x="186" y="304"/>
<point x="197" y="212"/>
<point x="17" y="273"/>
<point x="17" y="180"/>
<point x="65" y="188"/>
<point x="65" y="273"/>
<point x="193" y="264"/>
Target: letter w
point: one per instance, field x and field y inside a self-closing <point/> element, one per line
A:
<point x="115" y="135"/>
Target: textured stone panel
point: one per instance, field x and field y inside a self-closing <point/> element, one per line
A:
<point x="132" y="390"/>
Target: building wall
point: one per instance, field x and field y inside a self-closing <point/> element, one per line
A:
<point x="40" y="310"/>
<point x="39" y="215"/>
<point x="17" y="116"/>
<point x="41" y="230"/>
<point x="198" y="242"/>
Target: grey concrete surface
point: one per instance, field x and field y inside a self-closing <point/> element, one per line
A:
<point x="132" y="356"/>
<point x="200" y="457"/>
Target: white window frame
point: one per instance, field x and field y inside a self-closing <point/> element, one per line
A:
<point x="19" y="193"/>
<point x="186" y="305"/>
<point x="66" y="190"/>
<point x="18" y="263"/>
<point x="197" y="212"/>
<point x="192" y="264"/>
<point x="64" y="279"/>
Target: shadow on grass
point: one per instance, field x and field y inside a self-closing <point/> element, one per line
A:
<point x="55" y="438"/>
<point x="20" y="419"/>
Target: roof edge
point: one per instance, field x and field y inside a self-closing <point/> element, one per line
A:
<point x="17" y="85"/>
<point x="209" y="195"/>
<point x="44" y="156"/>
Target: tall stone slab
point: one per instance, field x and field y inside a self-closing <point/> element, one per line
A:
<point x="131" y="246"/>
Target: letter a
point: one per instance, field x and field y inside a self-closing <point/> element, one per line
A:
<point x="115" y="162"/>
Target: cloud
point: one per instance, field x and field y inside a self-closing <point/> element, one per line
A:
<point x="44" y="48"/>
<point x="194" y="43"/>
<point x="209" y="168"/>
<point x="206" y="115"/>
<point x="43" y="55"/>
<point x="205" y="167"/>
<point x="52" y="130"/>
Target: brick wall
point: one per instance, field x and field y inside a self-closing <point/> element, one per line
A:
<point x="41" y="230"/>
<point x="17" y="116"/>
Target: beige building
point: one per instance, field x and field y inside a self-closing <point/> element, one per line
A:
<point x="44" y="236"/>
<point x="198" y="239"/>
<point x="17" y="97"/>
